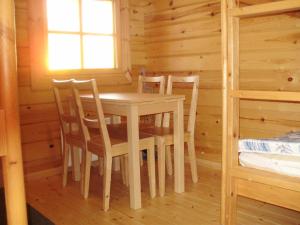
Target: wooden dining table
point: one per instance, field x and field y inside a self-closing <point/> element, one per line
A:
<point x="132" y="106"/>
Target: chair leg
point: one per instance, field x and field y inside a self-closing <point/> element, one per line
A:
<point x="169" y="160"/>
<point x="106" y="182"/>
<point x="151" y="170"/>
<point x="82" y="171"/>
<point x="62" y="143"/>
<point x="65" y="163"/>
<point x="141" y="158"/>
<point x="100" y="168"/>
<point x="126" y="172"/>
<point x="75" y="163"/>
<point x="87" y="173"/>
<point x="122" y="167"/>
<point x="193" y="162"/>
<point x="116" y="163"/>
<point x="161" y="158"/>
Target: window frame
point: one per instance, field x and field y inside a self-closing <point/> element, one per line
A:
<point x="40" y="74"/>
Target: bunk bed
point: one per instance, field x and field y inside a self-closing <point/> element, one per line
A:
<point x="237" y="180"/>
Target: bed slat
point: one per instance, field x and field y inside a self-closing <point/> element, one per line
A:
<point x="269" y="193"/>
<point x="266" y="9"/>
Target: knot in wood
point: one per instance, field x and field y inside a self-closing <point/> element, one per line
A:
<point x="13" y="163"/>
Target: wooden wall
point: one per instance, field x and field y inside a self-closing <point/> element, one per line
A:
<point x="270" y="60"/>
<point x="180" y="37"/>
<point x="183" y="37"/>
<point x="39" y="119"/>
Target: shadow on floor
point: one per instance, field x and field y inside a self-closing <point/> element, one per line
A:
<point x="34" y="217"/>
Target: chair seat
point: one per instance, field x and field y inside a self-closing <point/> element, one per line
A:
<point x="74" y="138"/>
<point x="118" y="139"/>
<point x="119" y="131"/>
<point x="165" y="132"/>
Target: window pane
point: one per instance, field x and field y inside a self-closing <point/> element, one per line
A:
<point x="98" y="52"/>
<point x="63" y="15"/>
<point x="64" y="51"/>
<point x="97" y="16"/>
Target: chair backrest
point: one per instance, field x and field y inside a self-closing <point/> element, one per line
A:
<point x="194" y="80"/>
<point x="147" y="79"/>
<point x="94" y="103"/>
<point x="67" y="118"/>
<point x="160" y="80"/>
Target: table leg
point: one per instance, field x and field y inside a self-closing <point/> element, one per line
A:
<point x="179" y="148"/>
<point x="75" y="154"/>
<point x="133" y="157"/>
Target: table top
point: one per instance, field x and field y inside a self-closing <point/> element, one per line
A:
<point x="134" y="98"/>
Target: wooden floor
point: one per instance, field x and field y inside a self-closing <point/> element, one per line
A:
<point x="199" y="205"/>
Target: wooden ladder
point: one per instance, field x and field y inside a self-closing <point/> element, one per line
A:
<point x="237" y="180"/>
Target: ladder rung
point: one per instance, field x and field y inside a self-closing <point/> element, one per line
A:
<point x="266" y="9"/>
<point x="283" y="96"/>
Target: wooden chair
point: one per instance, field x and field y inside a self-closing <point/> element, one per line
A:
<point x="164" y="135"/>
<point x="142" y="81"/>
<point x="110" y="142"/>
<point x="70" y="135"/>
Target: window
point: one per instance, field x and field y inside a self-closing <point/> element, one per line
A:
<point x="85" y="39"/>
<point x="88" y="38"/>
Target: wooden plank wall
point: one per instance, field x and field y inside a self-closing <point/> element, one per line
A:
<point x="180" y="37"/>
<point x="270" y="60"/>
<point x="183" y="37"/>
<point x="39" y="119"/>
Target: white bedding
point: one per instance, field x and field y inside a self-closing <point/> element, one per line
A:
<point x="288" y="144"/>
<point x="281" y="164"/>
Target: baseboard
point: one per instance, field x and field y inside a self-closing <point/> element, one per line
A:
<point x="209" y="164"/>
<point x="43" y="173"/>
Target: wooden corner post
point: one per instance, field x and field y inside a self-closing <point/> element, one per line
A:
<point x="12" y="160"/>
<point x="230" y="60"/>
<point x="225" y="111"/>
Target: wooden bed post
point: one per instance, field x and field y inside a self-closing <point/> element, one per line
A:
<point x="230" y="51"/>
<point x="12" y="161"/>
<point x="224" y="215"/>
<point x="237" y="180"/>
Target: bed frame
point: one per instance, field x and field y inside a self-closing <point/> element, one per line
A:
<point x="236" y="180"/>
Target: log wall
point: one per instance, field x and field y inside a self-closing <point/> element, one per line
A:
<point x="183" y="37"/>
<point x="180" y="37"/>
<point x="39" y="118"/>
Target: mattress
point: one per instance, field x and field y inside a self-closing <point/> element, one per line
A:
<point x="282" y="164"/>
<point x="288" y="144"/>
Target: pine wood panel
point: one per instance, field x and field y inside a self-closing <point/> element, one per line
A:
<point x="39" y="121"/>
<point x="199" y="205"/>
<point x="183" y="37"/>
<point x="41" y="150"/>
